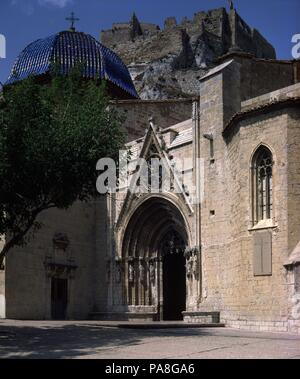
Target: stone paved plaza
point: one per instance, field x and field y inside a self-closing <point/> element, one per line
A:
<point x="91" y="340"/>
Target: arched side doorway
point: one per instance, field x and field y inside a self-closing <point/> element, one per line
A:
<point x="154" y="266"/>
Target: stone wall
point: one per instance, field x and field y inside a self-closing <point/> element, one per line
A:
<point x="229" y="284"/>
<point x="278" y="95"/>
<point x="215" y="208"/>
<point x="166" y="113"/>
<point x="260" y="76"/>
<point x="293" y="205"/>
<point x="103" y="246"/>
<point x="121" y="33"/>
<point x="249" y="40"/>
<point x="28" y="282"/>
<point x="257" y="298"/>
<point x="293" y="147"/>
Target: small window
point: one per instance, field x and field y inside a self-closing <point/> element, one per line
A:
<point x="262" y="185"/>
<point x="212" y="151"/>
<point x="210" y="138"/>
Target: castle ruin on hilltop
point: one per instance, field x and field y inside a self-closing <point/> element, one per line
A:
<point x="168" y="63"/>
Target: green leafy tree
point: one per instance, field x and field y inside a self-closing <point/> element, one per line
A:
<point x="51" y="137"/>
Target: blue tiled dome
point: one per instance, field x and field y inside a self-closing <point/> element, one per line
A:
<point x="67" y="48"/>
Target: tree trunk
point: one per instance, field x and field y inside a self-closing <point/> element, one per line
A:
<point x="14" y="242"/>
<point x="16" y="239"/>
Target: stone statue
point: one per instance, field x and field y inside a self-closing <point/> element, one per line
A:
<point x="195" y="265"/>
<point x="131" y="273"/>
<point x="189" y="268"/>
<point x="152" y="272"/>
<point x="142" y="272"/>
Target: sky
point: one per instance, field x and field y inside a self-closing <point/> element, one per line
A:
<point x="24" y="21"/>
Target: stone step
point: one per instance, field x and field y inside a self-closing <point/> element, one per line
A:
<point x="132" y="320"/>
<point x="202" y="317"/>
<point x="157" y="325"/>
<point x="124" y="316"/>
<point x="149" y="318"/>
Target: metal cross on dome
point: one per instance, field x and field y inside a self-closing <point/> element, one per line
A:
<point x="73" y="19"/>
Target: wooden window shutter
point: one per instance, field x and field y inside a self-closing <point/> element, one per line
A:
<point x="262" y="253"/>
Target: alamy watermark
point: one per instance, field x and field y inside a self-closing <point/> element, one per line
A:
<point x="2" y="46"/>
<point x="151" y="176"/>
<point x="296" y="47"/>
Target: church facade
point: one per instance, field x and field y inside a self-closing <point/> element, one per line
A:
<point x="225" y="248"/>
<point x="221" y="244"/>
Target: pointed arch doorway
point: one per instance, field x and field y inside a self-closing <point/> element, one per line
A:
<point x="154" y="266"/>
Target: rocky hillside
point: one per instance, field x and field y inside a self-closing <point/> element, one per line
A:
<point x="168" y="63"/>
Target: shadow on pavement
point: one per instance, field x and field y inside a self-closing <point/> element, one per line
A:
<point x="73" y="341"/>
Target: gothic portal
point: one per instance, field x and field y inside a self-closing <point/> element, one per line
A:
<point x="153" y="260"/>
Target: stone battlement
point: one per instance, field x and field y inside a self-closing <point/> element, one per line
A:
<point x="122" y="33"/>
<point x="234" y="32"/>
